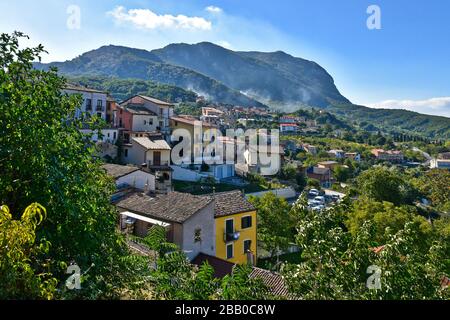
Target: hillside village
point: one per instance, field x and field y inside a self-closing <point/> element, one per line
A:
<point x="204" y="209"/>
<point x="153" y="198"/>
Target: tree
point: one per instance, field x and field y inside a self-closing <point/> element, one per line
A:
<point x="44" y="158"/>
<point x="434" y="185"/>
<point x="341" y="173"/>
<point x="273" y="236"/>
<point x="382" y="184"/>
<point x="23" y="272"/>
<point x="336" y="261"/>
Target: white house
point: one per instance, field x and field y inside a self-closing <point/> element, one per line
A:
<point x="131" y="176"/>
<point x="440" y="164"/>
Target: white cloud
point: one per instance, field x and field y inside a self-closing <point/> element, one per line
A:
<point x="147" y="19"/>
<point x="435" y="106"/>
<point x="213" y="9"/>
<point x="225" y="44"/>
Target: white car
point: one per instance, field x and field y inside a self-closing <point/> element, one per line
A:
<point x="320" y="199"/>
<point x="313" y="193"/>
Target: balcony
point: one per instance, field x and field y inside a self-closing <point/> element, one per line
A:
<point x="231" y="236"/>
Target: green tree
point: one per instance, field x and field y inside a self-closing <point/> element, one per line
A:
<point x="44" y="158"/>
<point x="273" y="236"/>
<point x="382" y="184"/>
<point x="23" y="272"/>
<point x="336" y="261"/>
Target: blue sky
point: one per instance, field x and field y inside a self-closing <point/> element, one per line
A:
<point x="405" y="64"/>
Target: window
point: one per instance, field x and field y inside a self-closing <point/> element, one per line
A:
<point x="150" y="122"/>
<point x="229" y="226"/>
<point x="145" y="122"/>
<point x="115" y="135"/>
<point x="198" y="235"/>
<point x="99" y="114"/>
<point x="247" y="245"/>
<point x="99" y="103"/>
<point x="109" y="135"/>
<point x="230" y="251"/>
<point x="246" y="222"/>
<point x="126" y="152"/>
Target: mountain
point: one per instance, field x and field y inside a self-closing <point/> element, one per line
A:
<point x="277" y="79"/>
<point x="396" y="120"/>
<point x="121" y="89"/>
<point x="129" y="63"/>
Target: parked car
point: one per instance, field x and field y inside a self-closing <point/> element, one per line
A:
<point x="313" y="193"/>
<point x="320" y="199"/>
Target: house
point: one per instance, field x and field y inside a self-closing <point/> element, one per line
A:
<point x="290" y="119"/>
<point x="444" y="156"/>
<point x="288" y="128"/>
<point x="393" y="156"/>
<point x="253" y="160"/>
<point x="152" y="153"/>
<point x="188" y="219"/>
<point x="130" y="176"/>
<point x="439" y="164"/>
<point x="274" y="281"/>
<point x="97" y="103"/>
<point x="310" y="149"/>
<point x="221" y="225"/>
<point x="323" y="175"/>
<point x="235" y="220"/>
<point x="199" y="131"/>
<point x="328" y="164"/>
<point x="136" y="118"/>
<point x="353" y="155"/>
<point x="94" y="101"/>
<point x="338" y="154"/>
<point x="161" y="109"/>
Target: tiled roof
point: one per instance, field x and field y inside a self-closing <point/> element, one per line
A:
<point x="116" y="171"/>
<point x="157" y="101"/>
<point x="75" y="87"/>
<point x="220" y="266"/>
<point x="138" y="109"/>
<point x="172" y="207"/>
<point x="274" y="282"/>
<point x="152" y="144"/>
<point x="228" y="203"/>
<point x="191" y="121"/>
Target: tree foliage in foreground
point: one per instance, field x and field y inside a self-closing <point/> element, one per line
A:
<point x="336" y="261"/>
<point x="21" y="277"/>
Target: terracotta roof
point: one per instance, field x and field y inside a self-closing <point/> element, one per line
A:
<point x="220" y="266"/>
<point x="172" y="207"/>
<point x="117" y="171"/>
<point x="274" y="282"/>
<point x="138" y="109"/>
<point x="151" y="144"/>
<point x="228" y="203"/>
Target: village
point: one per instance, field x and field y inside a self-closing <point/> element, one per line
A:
<point x="204" y="208"/>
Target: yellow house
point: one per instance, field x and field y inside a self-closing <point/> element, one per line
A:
<point x="235" y="220"/>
